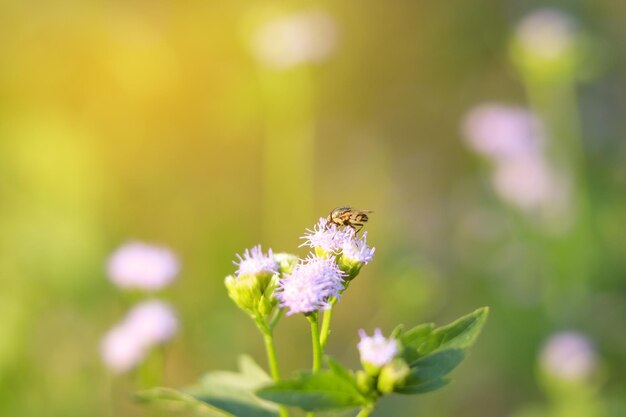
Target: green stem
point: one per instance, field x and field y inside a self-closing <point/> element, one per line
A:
<point x="326" y="323"/>
<point x="272" y="360"/>
<point x="276" y="317"/>
<point x="315" y="338"/>
<point x="317" y="348"/>
<point x="366" y="411"/>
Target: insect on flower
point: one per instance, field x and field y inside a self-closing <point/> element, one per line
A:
<point x="349" y="217"/>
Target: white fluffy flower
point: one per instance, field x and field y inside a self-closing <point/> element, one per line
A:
<point x="254" y="261"/>
<point x="356" y="250"/>
<point x="137" y="265"/>
<point x="310" y="285"/>
<point x="568" y="355"/>
<point x="377" y="350"/>
<point x="328" y="237"/>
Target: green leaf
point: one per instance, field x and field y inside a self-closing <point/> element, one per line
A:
<point x="176" y="400"/>
<point x="423" y="387"/>
<point x="320" y="391"/>
<point x="417" y="335"/>
<point x="459" y="334"/>
<point x="229" y="393"/>
<point x="435" y="366"/>
<point x="341" y="371"/>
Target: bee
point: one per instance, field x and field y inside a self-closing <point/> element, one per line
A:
<point x="349" y="217"/>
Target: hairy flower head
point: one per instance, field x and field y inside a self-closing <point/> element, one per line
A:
<point x="310" y="285"/>
<point x="376" y="350"/>
<point x="569" y="356"/>
<point x="255" y="262"/>
<point x="355" y="250"/>
<point x="327" y="236"/>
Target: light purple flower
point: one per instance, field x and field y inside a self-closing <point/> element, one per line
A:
<point x="328" y="237"/>
<point x="121" y="350"/>
<point x="137" y="265"/>
<point x="356" y="250"/>
<point x="568" y="355"/>
<point x="153" y="322"/>
<point x="547" y="33"/>
<point x="148" y="324"/>
<point x="307" y="36"/>
<point x="255" y="262"/>
<point x="310" y="285"/>
<point x="375" y="349"/>
<point x="502" y="132"/>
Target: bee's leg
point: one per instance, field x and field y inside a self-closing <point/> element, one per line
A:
<point x="356" y="231"/>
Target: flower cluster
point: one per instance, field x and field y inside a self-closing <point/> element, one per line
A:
<point x="310" y="286"/>
<point x="148" y="324"/>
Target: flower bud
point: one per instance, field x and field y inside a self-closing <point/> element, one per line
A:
<point x="393" y="375"/>
<point x="286" y="262"/>
<point x="354" y="254"/>
<point x="253" y="293"/>
<point x="365" y="382"/>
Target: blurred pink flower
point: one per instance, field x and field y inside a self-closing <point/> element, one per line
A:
<point x="153" y="322"/>
<point x="569" y="356"/>
<point x="501" y="132"/>
<point x="137" y="265"/>
<point x="527" y="183"/>
<point x="148" y="324"/>
<point x="121" y="350"/>
<point x="307" y="36"/>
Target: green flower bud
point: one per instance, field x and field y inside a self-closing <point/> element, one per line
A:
<point x="253" y="293"/>
<point x="365" y="382"/>
<point x="286" y="262"/>
<point x="393" y="375"/>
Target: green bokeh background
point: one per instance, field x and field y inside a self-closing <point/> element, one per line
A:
<point x="152" y="120"/>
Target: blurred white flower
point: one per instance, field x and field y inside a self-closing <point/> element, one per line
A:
<point x="148" y="324"/>
<point x="569" y="356"/>
<point x="548" y="34"/>
<point x="137" y="265"/>
<point x="376" y="349"/>
<point x="307" y="36"/>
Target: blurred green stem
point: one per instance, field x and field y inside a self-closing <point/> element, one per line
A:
<point x="366" y="410"/>
<point x="326" y="323"/>
<point x="150" y="372"/>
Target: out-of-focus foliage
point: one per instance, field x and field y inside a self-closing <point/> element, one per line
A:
<point x="163" y="121"/>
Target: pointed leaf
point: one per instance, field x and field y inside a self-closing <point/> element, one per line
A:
<point x="459" y="334"/>
<point x="435" y="366"/>
<point x="320" y="391"/>
<point x="341" y="371"/>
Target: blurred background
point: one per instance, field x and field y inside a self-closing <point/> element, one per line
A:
<point x="487" y="136"/>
